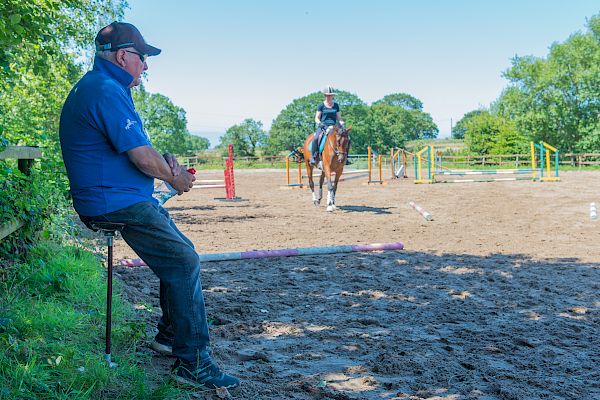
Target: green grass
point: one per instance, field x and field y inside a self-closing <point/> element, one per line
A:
<point x="52" y="321"/>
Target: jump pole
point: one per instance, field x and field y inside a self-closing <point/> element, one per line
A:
<point x="359" y="173"/>
<point x="300" y="251"/>
<point x="421" y="211"/>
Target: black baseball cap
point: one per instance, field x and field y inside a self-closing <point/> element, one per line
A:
<point x="121" y="35"/>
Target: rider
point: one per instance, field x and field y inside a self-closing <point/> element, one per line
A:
<point x="328" y="114"/>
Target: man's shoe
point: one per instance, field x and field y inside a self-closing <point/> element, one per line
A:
<point x="312" y="160"/>
<point x="206" y="375"/>
<point x="162" y="349"/>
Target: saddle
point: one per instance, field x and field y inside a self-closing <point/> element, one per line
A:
<point x="323" y="139"/>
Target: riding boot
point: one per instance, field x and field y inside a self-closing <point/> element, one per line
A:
<point x="315" y="146"/>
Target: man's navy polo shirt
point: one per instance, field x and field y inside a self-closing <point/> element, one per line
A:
<point x="98" y="125"/>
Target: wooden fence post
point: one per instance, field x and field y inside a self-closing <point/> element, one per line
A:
<point x="24" y="156"/>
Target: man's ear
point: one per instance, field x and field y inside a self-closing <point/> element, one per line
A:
<point x="120" y="58"/>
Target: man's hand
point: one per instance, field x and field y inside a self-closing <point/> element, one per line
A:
<point x="183" y="182"/>
<point x="173" y="164"/>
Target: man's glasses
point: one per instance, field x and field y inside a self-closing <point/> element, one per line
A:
<point x="143" y="57"/>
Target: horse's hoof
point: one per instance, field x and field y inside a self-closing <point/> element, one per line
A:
<point x="330" y="208"/>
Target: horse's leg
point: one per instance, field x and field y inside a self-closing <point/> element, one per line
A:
<point x="311" y="182"/>
<point x="321" y="179"/>
<point x="331" y="191"/>
<point x="338" y="175"/>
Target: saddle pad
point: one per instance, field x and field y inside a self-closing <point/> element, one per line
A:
<point x="324" y="139"/>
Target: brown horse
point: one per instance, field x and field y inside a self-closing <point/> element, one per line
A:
<point x="333" y="161"/>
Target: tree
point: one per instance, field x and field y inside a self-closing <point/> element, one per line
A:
<point x="557" y="98"/>
<point x="391" y="126"/>
<point x="38" y="68"/>
<point x="403" y="100"/>
<point x="50" y="27"/>
<point x="166" y="124"/>
<point x="458" y="130"/>
<point x="197" y="144"/>
<point x="491" y="134"/>
<point x="246" y="137"/>
<point x="297" y="120"/>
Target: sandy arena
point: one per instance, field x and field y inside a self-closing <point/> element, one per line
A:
<point x="497" y="298"/>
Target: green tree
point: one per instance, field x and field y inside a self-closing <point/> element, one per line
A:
<point x="50" y="27"/>
<point x="297" y="120"/>
<point x="166" y="124"/>
<point x="557" y="98"/>
<point x="198" y="143"/>
<point x="391" y="126"/>
<point x="458" y="130"/>
<point x="491" y="134"/>
<point x="246" y="137"/>
<point x="38" y="68"/>
<point x="403" y="100"/>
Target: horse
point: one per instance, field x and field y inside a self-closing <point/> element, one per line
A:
<point x="333" y="161"/>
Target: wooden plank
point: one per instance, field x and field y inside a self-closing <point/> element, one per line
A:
<point x="21" y="153"/>
<point x="10" y="227"/>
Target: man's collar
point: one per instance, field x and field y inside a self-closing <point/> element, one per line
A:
<point x="114" y="71"/>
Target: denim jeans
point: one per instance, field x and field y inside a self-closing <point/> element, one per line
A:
<point x="152" y="234"/>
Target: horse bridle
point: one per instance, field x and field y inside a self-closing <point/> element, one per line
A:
<point x="336" y="151"/>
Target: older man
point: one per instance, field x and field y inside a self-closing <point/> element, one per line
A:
<point x="111" y="167"/>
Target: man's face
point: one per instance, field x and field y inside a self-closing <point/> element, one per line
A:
<point x="133" y="62"/>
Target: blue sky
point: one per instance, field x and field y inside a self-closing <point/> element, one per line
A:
<point x="224" y="61"/>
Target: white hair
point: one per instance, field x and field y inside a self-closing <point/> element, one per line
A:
<point x="106" y="55"/>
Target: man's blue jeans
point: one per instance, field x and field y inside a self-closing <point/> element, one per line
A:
<point x="152" y="234"/>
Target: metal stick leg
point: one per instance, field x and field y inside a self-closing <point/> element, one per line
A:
<point x="109" y="241"/>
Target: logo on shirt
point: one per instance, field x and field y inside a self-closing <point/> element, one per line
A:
<point x="129" y="124"/>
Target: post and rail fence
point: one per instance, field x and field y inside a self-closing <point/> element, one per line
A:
<point x="25" y="155"/>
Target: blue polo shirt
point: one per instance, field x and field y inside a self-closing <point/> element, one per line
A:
<point x="98" y="124"/>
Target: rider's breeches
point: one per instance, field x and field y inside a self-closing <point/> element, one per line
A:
<point x="315" y="142"/>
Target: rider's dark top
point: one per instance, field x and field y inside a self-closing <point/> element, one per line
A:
<point x="329" y="115"/>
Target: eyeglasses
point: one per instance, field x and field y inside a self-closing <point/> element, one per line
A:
<point x="143" y="57"/>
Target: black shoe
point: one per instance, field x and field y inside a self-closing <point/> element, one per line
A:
<point x="205" y="375"/>
<point x="348" y="162"/>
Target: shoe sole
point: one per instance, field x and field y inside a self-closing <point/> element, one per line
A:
<point x="197" y="385"/>
<point x="161" y="351"/>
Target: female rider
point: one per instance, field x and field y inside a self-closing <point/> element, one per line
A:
<point x="328" y="114"/>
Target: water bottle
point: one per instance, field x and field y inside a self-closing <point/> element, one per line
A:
<point x="593" y="212"/>
<point x="165" y="191"/>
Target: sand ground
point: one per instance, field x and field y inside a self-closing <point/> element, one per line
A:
<point x="496" y="298"/>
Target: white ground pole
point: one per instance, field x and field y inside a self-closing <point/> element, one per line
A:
<point x="421" y="211"/>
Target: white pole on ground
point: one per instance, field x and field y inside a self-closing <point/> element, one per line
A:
<point x="421" y="211"/>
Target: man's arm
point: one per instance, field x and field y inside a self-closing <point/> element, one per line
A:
<point x="151" y="163"/>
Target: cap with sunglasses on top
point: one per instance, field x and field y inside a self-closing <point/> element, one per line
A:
<point x="121" y="35"/>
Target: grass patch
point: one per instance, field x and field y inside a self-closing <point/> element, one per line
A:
<point x="52" y="321"/>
